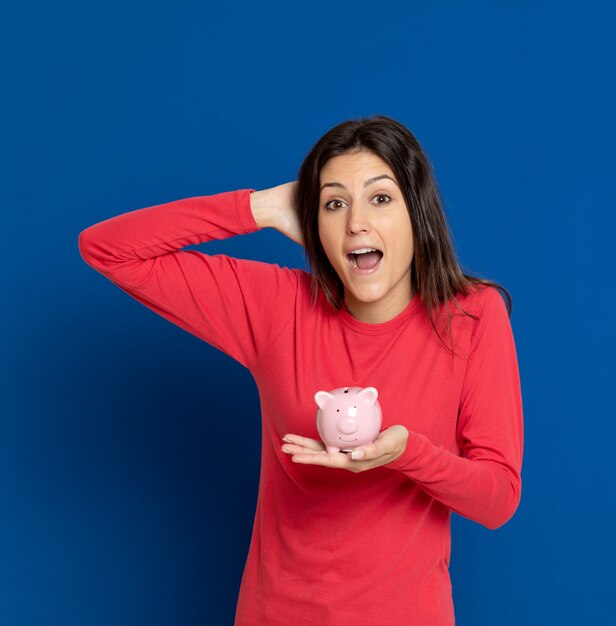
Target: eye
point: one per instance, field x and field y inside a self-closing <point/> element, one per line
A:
<point x="383" y="195"/>
<point x="328" y="208"/>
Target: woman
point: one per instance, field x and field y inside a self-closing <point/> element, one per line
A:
<point x="385" y="305"/>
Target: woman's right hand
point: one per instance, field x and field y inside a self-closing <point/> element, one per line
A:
<point x="275" y="208"/>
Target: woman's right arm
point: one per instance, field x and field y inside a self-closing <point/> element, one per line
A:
<point x="238" y="306"/>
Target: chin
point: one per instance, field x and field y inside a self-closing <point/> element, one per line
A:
<point x="365" y="298"/>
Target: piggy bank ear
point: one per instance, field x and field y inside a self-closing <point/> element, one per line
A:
<point x="322" y="398"/>
<point x="370" y="394"/>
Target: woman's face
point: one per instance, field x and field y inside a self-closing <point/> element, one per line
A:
<point x="358" y="212"/>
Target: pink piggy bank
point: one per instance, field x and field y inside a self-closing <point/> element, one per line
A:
<point x="348" y="417"/>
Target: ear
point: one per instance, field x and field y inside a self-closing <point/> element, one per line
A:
<point x="322" y="398"/>
<point x="370" y="394"/>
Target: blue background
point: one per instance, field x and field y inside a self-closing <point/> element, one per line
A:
<point x="122" y="502"/>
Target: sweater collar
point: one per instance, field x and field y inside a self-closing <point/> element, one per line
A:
<point x="383" y="327"/>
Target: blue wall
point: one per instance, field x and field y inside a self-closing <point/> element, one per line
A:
<point x="121" y="503"/>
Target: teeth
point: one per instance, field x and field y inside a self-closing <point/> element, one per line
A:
<point x="362" y="250"/>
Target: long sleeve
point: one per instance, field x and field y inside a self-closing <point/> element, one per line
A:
<point x="484" y="484"/>
<point x="238" y="306"/>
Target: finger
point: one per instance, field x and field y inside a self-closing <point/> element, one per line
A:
<point x="311" y="444"/>
<point x="365" y="453"/>
<point x="291" y="448"/>
<point x="325" y="459"/>
<point x="382" y="445"/>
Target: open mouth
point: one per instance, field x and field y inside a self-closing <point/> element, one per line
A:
<point x="365" y="258"/>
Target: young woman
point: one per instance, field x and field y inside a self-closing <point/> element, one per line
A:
<point x="385" y="304"/>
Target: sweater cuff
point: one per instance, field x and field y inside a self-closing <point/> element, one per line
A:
<point x="244" y="212"/>
<point x="416" y="446"/>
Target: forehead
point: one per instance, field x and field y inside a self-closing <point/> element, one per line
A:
<point x="353" y="167"/>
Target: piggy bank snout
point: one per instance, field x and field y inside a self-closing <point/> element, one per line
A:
<point x="347" y="425"/>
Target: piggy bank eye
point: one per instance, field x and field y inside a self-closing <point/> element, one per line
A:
<point x="337" y="410"/>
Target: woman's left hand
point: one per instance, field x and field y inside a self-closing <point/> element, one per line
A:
<point x="387" y="447"/>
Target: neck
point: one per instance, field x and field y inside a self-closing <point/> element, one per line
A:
<point x="376" y="312"/>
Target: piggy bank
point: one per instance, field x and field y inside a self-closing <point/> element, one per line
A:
<point x="348" y="417"/>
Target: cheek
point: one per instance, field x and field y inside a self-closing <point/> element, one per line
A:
<point x="405" y="242"/>
<point x="320" y="232"/>
<point x="325" y="238"/>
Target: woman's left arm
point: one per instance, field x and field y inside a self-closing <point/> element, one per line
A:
<point x="484" y="482"/>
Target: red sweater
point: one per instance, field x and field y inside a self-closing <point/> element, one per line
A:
<point x="329" y="546"/>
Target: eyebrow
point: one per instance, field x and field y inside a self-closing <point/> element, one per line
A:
<point x="368" y="182"/>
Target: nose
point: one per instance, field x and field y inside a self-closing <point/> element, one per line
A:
<point x="358" y="219"/>
<point x="347" y="425"/>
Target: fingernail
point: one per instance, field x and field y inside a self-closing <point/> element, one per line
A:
<point x="357" y="455"/>
<point x="286" y="438"/>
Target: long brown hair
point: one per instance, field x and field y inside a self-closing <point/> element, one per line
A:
<point x="436" y="276"/>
